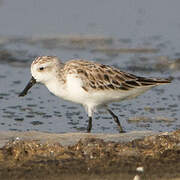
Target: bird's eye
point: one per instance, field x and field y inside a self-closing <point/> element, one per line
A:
<point x="41" y="68"/>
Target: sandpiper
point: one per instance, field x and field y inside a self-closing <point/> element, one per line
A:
<point x="90" y="84"/>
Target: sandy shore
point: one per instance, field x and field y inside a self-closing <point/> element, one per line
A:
<point x="38" y="155"/>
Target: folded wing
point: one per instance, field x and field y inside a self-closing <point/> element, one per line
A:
<point x="103" y="77"/>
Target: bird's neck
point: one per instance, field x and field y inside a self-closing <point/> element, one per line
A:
<point x="55" y="86"/>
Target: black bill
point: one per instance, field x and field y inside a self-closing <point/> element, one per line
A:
<point x="28" y="86"/>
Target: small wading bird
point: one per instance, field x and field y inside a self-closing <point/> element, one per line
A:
<point x="88" y="83"/>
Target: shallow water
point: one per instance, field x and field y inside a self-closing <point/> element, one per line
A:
<point x="140" y="37"/>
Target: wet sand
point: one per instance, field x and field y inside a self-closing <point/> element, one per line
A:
<point x="38" y="155"/>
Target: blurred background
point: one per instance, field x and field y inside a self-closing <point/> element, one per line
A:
<point x="141" y="37"/>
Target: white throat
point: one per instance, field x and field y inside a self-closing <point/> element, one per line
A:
<point x="56" y="87"/>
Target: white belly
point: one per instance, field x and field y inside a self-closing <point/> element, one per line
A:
<point x="72" y="91"/>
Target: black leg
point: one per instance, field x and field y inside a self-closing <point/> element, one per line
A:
<point x="116" y="120"/>
<point x="89" y="125"/>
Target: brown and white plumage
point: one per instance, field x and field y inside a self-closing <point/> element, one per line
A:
<point x="97" y="77"/>
<point x="88" y="83"/>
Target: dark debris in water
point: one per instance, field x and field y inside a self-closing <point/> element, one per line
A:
<point x="35" y="123"/>
<point x="19" y="119"/>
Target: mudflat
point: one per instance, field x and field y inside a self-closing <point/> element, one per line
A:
<point x="38" y="155"/>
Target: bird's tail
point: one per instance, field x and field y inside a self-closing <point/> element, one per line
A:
<point x="153" y="81"/>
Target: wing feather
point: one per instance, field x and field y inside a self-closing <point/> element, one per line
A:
<point x="103" y="77"/>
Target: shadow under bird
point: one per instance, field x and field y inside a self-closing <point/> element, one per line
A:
<point x="90" y="84"/>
